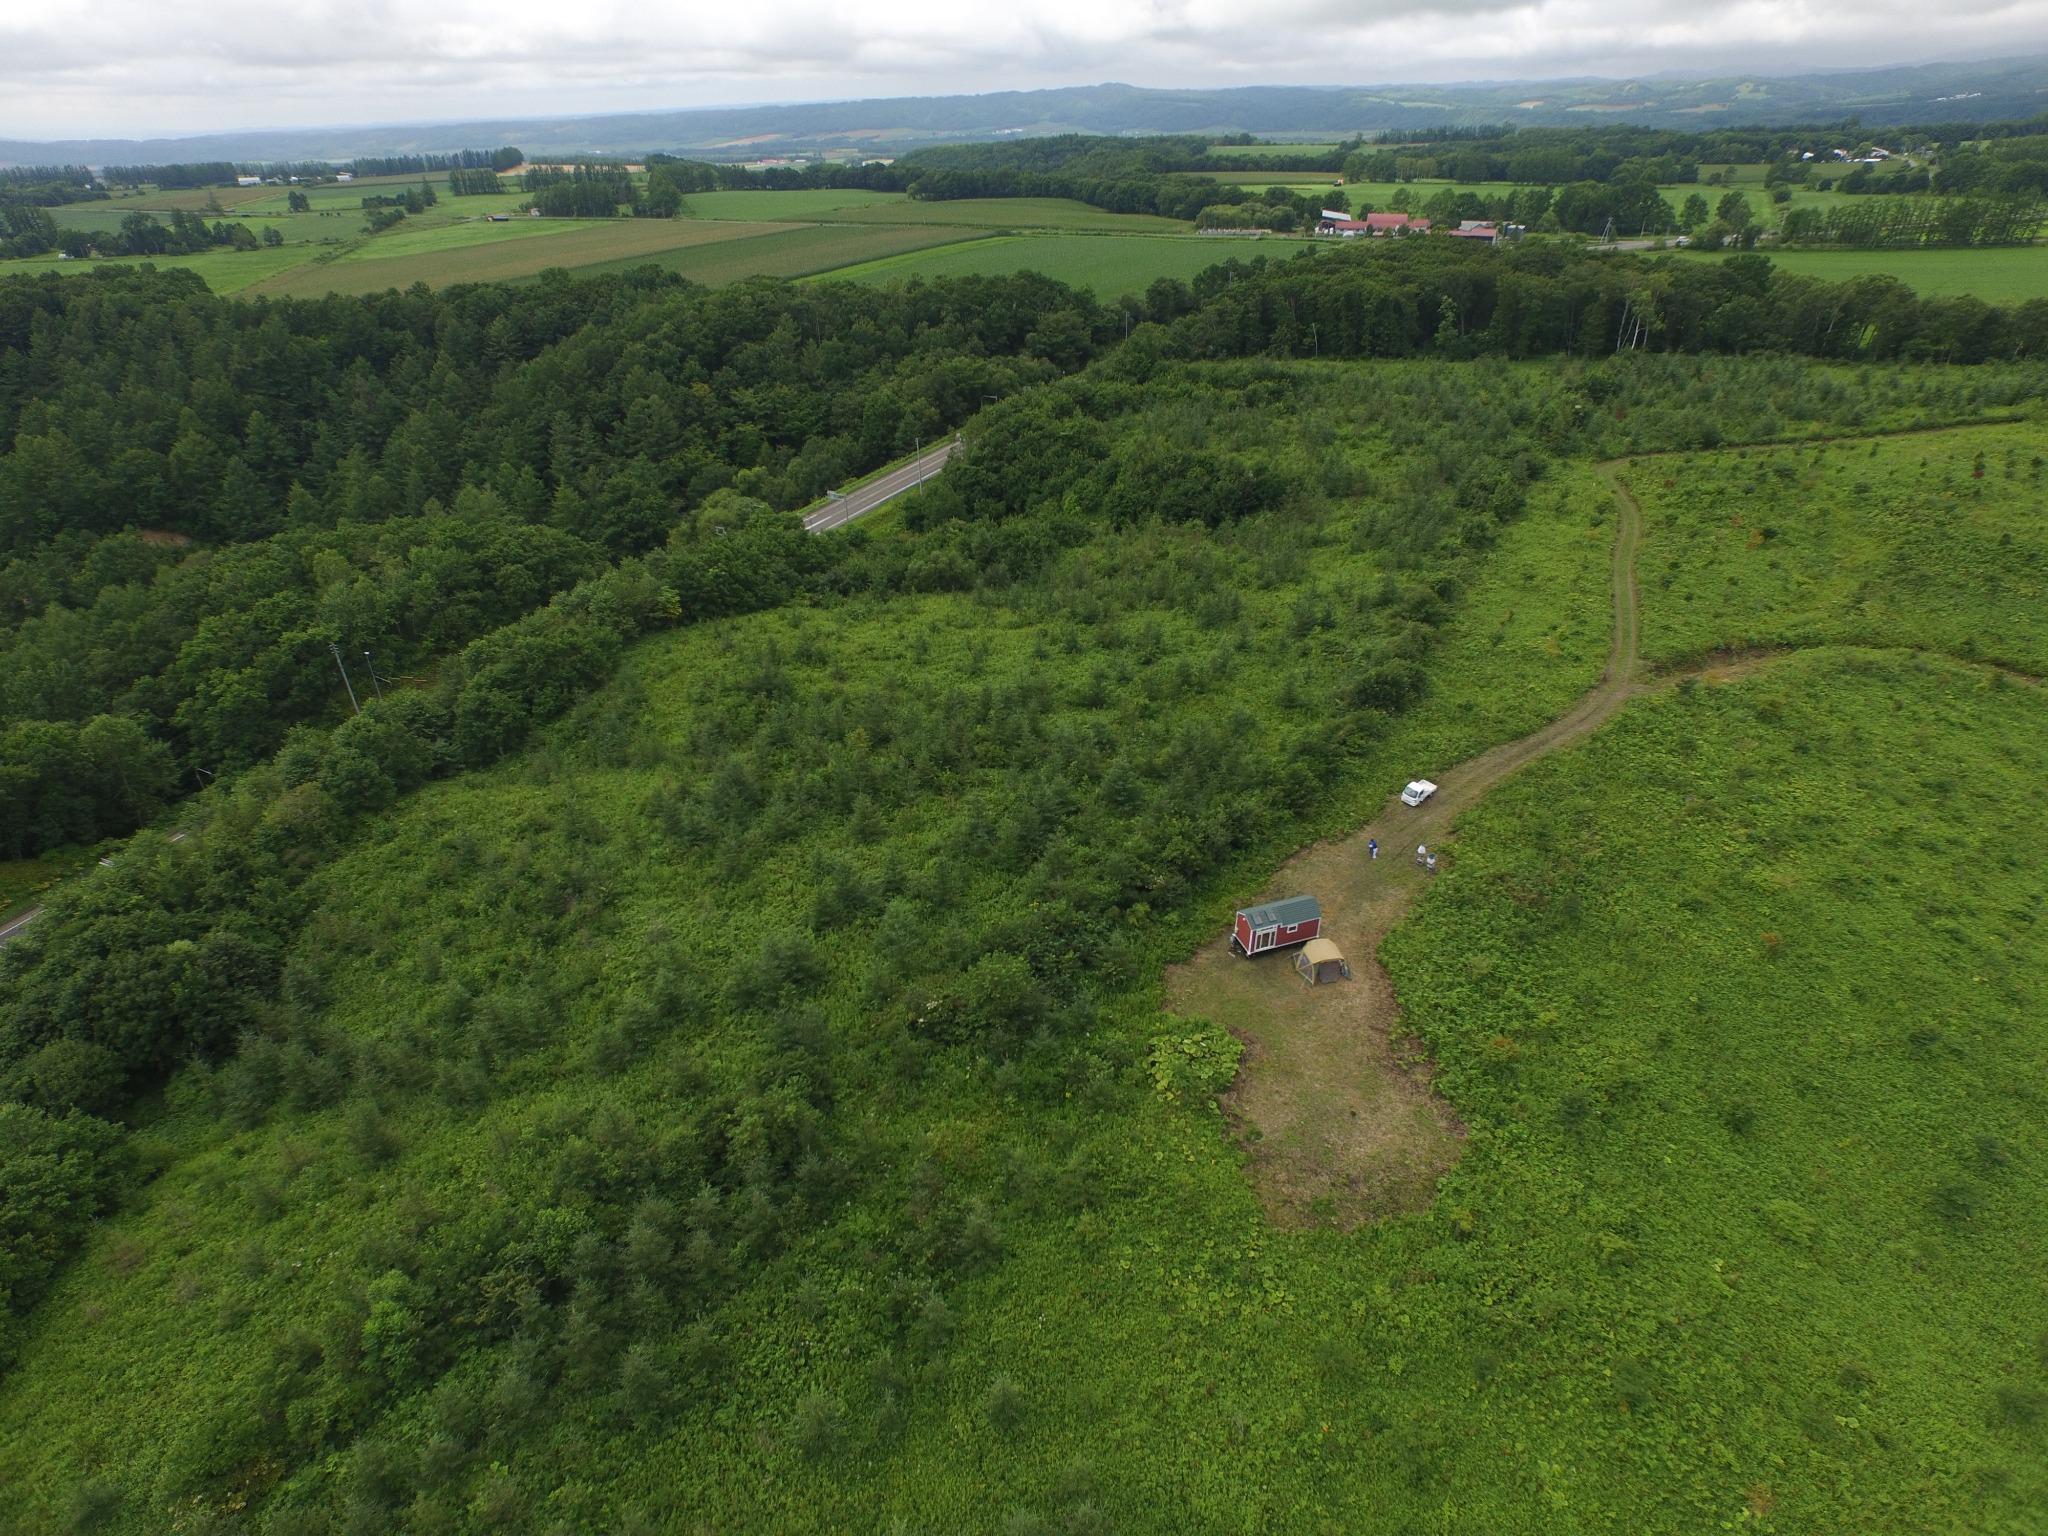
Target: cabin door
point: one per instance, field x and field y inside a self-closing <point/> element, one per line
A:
<point x="1263" y="939"/>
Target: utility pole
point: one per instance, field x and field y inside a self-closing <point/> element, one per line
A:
<point x="351" y="687"/>
<point x="376" y="682"/>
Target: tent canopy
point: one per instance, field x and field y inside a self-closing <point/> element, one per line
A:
<point x="1321" y="961"/>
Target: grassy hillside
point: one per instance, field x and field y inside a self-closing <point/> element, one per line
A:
<point x="1742" y="1002"/>
<point x="750" y="1107"/>
<point x="1933" y="541"/>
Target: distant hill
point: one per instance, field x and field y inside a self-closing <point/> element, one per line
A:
<point x="1921" y="93"/>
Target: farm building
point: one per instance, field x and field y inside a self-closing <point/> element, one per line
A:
<point x="1373" y="224"/>
<point x="1277" y="925"/>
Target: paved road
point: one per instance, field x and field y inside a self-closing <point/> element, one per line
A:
<point x="17" y="924"/>
<point x="833" y="514"/>
<point x="858" y="503"/>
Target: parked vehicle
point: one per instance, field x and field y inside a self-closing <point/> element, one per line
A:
<point x="1418" y="790"/>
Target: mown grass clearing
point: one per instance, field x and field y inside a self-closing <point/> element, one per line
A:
<point x="1934" y="540"/>
<point x="1108" y="265"/>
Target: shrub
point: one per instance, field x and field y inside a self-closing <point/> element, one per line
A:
<point x="819" y="1426"/>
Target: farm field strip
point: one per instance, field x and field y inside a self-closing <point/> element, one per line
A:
<point x="796" y="251"/>
<point x="1013" y="213"/>
<point x="1997" y="274"/>
<point x="1109" y="265"/>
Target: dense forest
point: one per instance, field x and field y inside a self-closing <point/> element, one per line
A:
<point x="201" y="497"/>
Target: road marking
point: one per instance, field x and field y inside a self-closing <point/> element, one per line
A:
<point x="841" y="508"/>
<point x="21" y="922"/>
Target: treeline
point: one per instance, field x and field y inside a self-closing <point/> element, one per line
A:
<point x="2013" y="166"/>
<point x="477" y="182"/>
<point x="384" y="209"/>
<point x="582" y="191"/>
<point x="14" y="176"/>
<point x="176" y="177"/>
<point x="461" y="160"/>
<point x="29" y="231"/>
<point x="1550" y="163"/>
<point x="1419" y="297"/>
<point x="1119" y="175"/>
<point x="48" y="186"/>
<point x="223" y="173"/>
<point x="142" y="234"/>
<point x="26" y="230"/>
<point x="403" y="473"/>
<point x="197" y="960"/>
<point x="1906" y="223"/>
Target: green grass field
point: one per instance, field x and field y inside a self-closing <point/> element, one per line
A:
<point x="1270" y="151"/>
<point x="1110" y="265"/>
<point x="453" y="255"/>
<point x="420" y="238"/>
<point x="795" y="206"/>
<point x="1319" y="182"/>
<point x="1740" y="1001"/>
<point x="1934" y="541"/>
<point x="788" y="252"/>
<point x="223" y="271"/>
<point x="1998" y="275"/>
<point x="1013" y="213"/>
<point x="780" y="234"/>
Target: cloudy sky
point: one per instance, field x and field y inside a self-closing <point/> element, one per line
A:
<point x="95" y="68"/>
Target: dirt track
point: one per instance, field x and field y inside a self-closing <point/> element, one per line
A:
<point x="1333" y="1101"/>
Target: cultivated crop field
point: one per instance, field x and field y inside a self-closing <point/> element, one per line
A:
<point x="222" y="271"/>
<point x="798" y="251"/>
<point x="1108" y="265"/>
<point x="773" y="234"/>
<point x="485" y="253"/>
<point x="805" y="203"/>
<point x="1271" y="151"/>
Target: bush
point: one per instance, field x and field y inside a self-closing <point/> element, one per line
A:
<point x="819" y="1426"/>
<point x="56" y="1175"/>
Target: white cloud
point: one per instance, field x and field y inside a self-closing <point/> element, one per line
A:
<point x="148" y="67"/>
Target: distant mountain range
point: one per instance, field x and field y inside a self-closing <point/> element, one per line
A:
<point x="1920" y="93"/>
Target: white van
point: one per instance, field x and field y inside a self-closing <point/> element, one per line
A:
<point x="1418" y="790"/>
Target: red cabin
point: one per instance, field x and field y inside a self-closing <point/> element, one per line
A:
<point x="1277" y="925"/>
